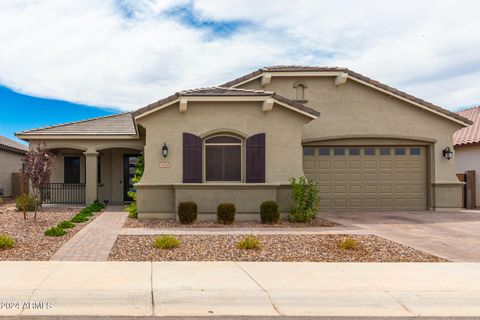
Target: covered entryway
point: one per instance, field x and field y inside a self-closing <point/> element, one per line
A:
<point x="368" y="177"/>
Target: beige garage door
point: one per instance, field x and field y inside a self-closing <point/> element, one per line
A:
<point x="368" y="178"/>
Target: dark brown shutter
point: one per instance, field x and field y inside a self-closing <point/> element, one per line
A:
<point x="192" y="158"/>
<point x="255" y="158"/>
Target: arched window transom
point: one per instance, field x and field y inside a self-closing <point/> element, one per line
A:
<point x="300" y="91"/>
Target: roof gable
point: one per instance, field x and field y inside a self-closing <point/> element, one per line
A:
<point x="471" y="134"/>
<point x="213" y="93"/>
<point x="333" y="71"/>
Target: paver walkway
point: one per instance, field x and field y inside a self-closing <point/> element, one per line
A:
<point x="95" y="241"/>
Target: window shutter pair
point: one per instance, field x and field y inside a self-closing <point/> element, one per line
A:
<point x="192" y="158"/>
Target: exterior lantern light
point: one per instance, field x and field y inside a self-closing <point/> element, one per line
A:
<point x="447" y="153"/>
<point x="165" y="150"/>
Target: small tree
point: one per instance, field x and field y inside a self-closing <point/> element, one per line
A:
<point x="37" y="168"/>
<point x="304" y="200"/>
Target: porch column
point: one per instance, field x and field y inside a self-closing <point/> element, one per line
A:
<point x="90" y="176"/>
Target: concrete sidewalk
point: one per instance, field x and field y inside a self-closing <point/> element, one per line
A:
<point x="247" y="288"/>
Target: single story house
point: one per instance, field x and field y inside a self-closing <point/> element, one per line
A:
<point x="467" y="148"/>
<point x="368" y="146"/>
<point x="11" y="155"/>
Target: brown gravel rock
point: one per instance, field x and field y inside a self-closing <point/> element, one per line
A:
<point x="315" y="248"/>
<point x="30" y="242"/>
<point x="171" y="223"/>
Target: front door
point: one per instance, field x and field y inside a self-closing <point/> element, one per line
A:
<point x="129" y="162"/>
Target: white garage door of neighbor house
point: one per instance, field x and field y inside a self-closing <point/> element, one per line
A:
<point x="368" y="177"/>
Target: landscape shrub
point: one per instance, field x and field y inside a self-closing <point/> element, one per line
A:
<point x="187" y="212"/>
<point x="269" y="212"/>
<point x="249" y="242"/>
<point x="55" y="232"/>
<point x="132" y="210"/>
<point x="304" y="206"/>
<point x="96" y="206"/>
<point x="25" y="202"/>
<point x="79" y="218"/>
<point x="226" y="213"/>
<point x="86" y="212"/>
<point x="166" y="242"/>
<point x="66" y="224"/>
<point x="6" y="242"/>
<point x="348" y="244"/>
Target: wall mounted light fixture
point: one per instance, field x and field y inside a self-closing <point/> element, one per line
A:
<point x="165" y="150"/>
<point x="447" y="153"/>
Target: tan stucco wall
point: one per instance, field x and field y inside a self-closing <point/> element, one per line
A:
<point x="282" y="128"/>
<point x="10" y="162"/>
<point x="468" y="158"/>
<point x="354" y="110"/>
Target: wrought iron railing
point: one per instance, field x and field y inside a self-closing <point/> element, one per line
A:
<point x="63" y="193"/>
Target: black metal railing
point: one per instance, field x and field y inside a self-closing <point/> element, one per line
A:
<point x="64" y="193"/>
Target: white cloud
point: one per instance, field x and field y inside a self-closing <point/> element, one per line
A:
<point x="129" y="53"/>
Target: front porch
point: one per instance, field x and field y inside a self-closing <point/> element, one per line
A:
<point x="81" y="176"/>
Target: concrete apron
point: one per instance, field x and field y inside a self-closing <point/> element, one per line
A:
<point x="245" y="288"/>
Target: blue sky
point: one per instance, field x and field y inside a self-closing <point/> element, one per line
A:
<point x="67" y="60"/>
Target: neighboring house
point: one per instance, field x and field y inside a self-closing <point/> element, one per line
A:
<point x="11" y="155"/>
<point x="467" y="147"/>
<point x="368" y="146"/>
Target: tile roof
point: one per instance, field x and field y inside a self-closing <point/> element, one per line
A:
<point x="471" y="134"/>
<point x="352" y="74"/>
<point x="10" y="145"/>
<point x="225" y="92"/>
<point x="117" y="124"/>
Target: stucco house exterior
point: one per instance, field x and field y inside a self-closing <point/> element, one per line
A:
<point x="467" y="148"/>
<point x="11" y="155"/>
<point x="368" y="146"/>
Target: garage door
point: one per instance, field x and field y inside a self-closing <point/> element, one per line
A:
<point x="368" y="178"/>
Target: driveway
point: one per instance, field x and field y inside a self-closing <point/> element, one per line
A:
<point x="451" y="235"/>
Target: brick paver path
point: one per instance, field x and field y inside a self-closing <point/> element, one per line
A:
<point x="95" y="241"/>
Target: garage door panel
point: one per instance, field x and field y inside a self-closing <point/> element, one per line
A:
<point x="373" y="177"/>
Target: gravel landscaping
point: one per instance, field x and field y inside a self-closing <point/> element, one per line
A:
<point x="315" y="248"/>
<point x="171" y="223"/>
<point x="30" y="242"/>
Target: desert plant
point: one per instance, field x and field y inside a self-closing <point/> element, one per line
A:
<point x="132" y="210"/>
<point x="79" y="218"/>
<point x="348" y="244"/>
<point x="166" y="242"/>
<point x="304" y="206"/>
<point x="248" y="242"/>
<point x="187" y="212"/>
<point x="37" y="168"/>
<point x="96" y="206"/>
<point x="66" y="224"/>
<point x="226" y="213"/>
<point x="6" y="242"/>
<point x="269" y="212"/>
<point x="25" y="203"/>
<point x="55" y="232"/>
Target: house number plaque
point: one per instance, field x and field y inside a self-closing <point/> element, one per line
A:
<point x="164" y="164"/>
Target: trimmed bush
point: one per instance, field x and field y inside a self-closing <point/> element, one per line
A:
<point x="269" y="212"/>
<point x="166" y="242"/>
<point x="86" y="212"/>
<point x="66" y="224"/>
<point x="226" y="213"/>
<point x="96" y="206"/>
<point x="79" y="218"/>
<point x="304" y="206"/>
<point x="187" y="212"/>
<point x="55" y="232"/>
<point x="6" y="242"/>
<point x="348" y="244"/>
<point x="25" y="203"/>
<point x="249" y="242"/>
<point x="132" y="210"/>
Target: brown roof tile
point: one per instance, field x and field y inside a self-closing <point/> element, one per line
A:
<point x="117" y="124"/>
<point x="471" y="134"/>
<point x="10" y="145"/>
<point x="353" y="74"/>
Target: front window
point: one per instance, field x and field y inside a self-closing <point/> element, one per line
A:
<point x="71" y="167"/>
<point x="223" y="158"/>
